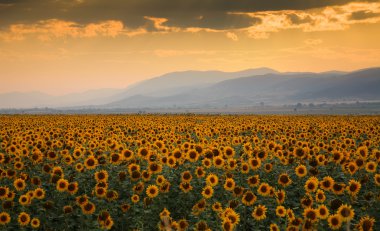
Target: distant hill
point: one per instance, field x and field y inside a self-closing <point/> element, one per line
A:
<point x="38" y="99"/>
<point x="273" y="88"/>
<point x="202" y="89"/>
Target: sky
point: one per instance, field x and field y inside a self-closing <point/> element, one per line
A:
<point x="64" y="46"/>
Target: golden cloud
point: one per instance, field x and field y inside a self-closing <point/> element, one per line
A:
<point x="323" y="19"/>
<point x="232" y="36"/>
<point x="53" y="28"/>
<point x="331" y="18"/>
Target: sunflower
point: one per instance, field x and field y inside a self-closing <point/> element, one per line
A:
<point x="186" y="176"/>
<point x="160" y="180"/>
<point x="183" y="225"/>
<point x="244" y="168"/>
<point x="91" y="162"/>
<point x="253" y="181"/>
<point x="280" y="211"/>
<point x="155" y="167"/>
<point x="4" y="191"/>
<point x="345" y="212"/>
<point x="238" y="191"/>
<point x="62" y="185"/>
<point x="143" y="152"/>
<point x="171" y="161"/>
<point x="133" y="167"/>
<point x="81" y="200"/>
<point x="284" y="180"/>
<point x="23" y="219"/>
<point x="4" y="218"/>
<point x="254" y="163"/>
<point x="125" y="207"/>
<point x="280" y="196"/>
<point x="327" y="183"/>
<point x="290" y="215"/>
<point x="352" y="167"/>
<point x="249" y="198"/>
<point x="101" y="176"/>
<point x="185" y="187"/>
<point x="152" y="191"/>
<point x="229" y="152"/>
<point x="310" y="214"/>
<point x="300" y="152"/>
<point x="67" y="209"/>
<point x="227" y="225"/>
<point x="323" y="212"/>
<point x="88" y="208"/>
<point x="165" y="213"/>
<point x="201" y="225"/>
<point x="366" y="223"/>
<point x="301" y="170"/>
<point x="354" y="187"/>
<point x="320" y="196"/>
<point x="217" y="207"/>
<point x="206" y="163"/>
<point x="35" y="223"/>
<point x="79" y="167"/>
<point x="377" y="179"/>
<point x="334" y="221"/>
<point x="311" y="184"/>
<point x="264" y="189"/>
<point x="371" y="166"/>
<point x="337" y="156"/>
<point x="72" y="188"/>
<point x="192" y="155"/>
<point x="231" y="215"/>
<point x="207" y="192"/>
<point x="24" y="200"/>
<point x="338" y="188"/>
<point x="218" y="162"/>
<point x="362" y="151"/>
<point x="274" y="227"/>
<point x="135" y="198"/>
<point x="19" y="184"/>
<point x="127" y="154"/>
<point x="199" y="172"/>
<point x="229" y="184"/>
<point x="231" y="164"/>
<point x="259" y="212"/>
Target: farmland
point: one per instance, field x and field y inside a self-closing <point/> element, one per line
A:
<point x="189" y="172"/>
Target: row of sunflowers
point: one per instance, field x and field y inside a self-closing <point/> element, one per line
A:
<point x="189" y="172"/>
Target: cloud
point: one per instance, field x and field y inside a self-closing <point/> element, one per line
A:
<point x="313" y="42"/>
<point x="180" y="13"/>
<point x="232" y="36"/>
<point x="257" y="25"/>
<point x="323" y="19"/>
<point x="51" y="29"/>
<point x="163" y="53"/>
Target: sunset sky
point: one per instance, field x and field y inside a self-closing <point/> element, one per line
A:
<point x="64" y="46"/>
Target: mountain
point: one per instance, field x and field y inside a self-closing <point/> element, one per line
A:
<point x="217" y="89"/>
<point x="177" y="82"/>
<point x="272" y="88"/>
<point x="38" y="99"/>
<point x="165" y="85"/>
<point x="24" y="99"/>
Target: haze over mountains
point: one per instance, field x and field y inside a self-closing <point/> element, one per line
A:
<point x="217" y="89"/>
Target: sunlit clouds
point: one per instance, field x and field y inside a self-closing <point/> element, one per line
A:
<point x="64" y="46"/>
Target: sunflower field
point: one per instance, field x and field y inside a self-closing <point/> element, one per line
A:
<point x="189" y="172"/>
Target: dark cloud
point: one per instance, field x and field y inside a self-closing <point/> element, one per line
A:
<point x="361" y="15"/>
<point x="181" y="13"/>
<point x="295" y="19"/>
